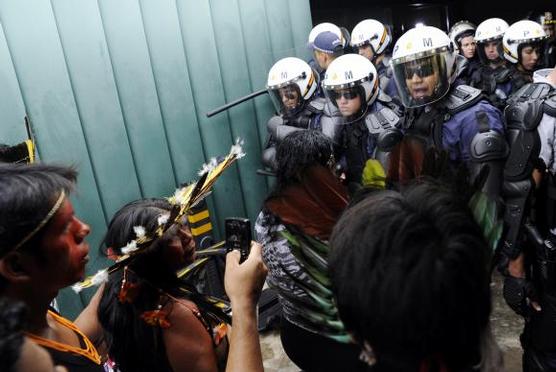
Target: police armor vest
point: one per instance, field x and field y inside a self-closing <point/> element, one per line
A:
<point x="488" y="80"/>
<point x="523" y="114"/>
<point x="317" y="114"/>
<point x="377" y="132"/>
<point x="488" y="147"/>
<point x="524" y="230"/>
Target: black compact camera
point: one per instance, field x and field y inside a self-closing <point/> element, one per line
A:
<point x="238" y="236"/>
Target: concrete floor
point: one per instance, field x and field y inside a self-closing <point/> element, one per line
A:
<point x="506" y="325"/>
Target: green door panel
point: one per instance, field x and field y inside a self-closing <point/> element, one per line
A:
<point x="88" y="63"/>
<point x="11" y="103"/>
<point x="120" y="89"/>
<point x="125" y="35"/>
<point x="232" y="59"/>
<point x="162" y="30"/>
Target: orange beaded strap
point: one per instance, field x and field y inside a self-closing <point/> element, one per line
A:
<point x="90" y="352"/>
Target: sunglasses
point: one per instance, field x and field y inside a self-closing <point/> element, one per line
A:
<point x="421" y="68"/>
<point x="347" y="94"/>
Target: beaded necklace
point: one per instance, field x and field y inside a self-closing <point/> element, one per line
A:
<point x="90" y="352"/>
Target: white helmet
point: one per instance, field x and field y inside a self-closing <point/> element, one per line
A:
<point x="322" y="27"/>
<point x="423" y="63"/>
<point x="352" y="75"/>
<point x="371" y="32"/>
<point x="519" y="34"/>
<point x="291" y="82"/>
<point x="460" y="30"/>
<point x="490" y="30"/>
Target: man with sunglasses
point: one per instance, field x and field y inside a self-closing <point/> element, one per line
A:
<point x="370" y="119"/>
<point x="292" y="85"/>
<point x="455" y="120"/>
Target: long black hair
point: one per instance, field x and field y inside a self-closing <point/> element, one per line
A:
<point x="297" y="152"/>
<point x="134" y="345"/>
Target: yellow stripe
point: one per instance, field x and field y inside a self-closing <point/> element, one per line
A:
<point x="383" y="36"/>
<point x="196" y="231"/>
<point x="31" y="150"/>
<point x="198" y="216"/>
<point x="311" y="78"/>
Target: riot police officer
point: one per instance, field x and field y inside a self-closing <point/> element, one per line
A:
<point x="523" y="45"/>
<point x="320" y="67"/>
<point x="438" y="114"/>
<point x="370" y="119"/>
<point x="462" y="35"/>
<point x="494" y="78"/>
<point x="291" y="85"/>
<point x="370" y="38"/>
<point x="528" y="249"/>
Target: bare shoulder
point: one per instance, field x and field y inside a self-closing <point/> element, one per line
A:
<point x="188" y="344"/>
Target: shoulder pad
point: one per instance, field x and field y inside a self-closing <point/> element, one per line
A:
<point x="317" y="105"/>
<point x="524" y="114"/>
<point x="489" y="145"/>
<point x="550" y="106"/>
<point x="381" y="120"/>
<point x="383" y="97"/>
<point x="530" y="92"/>
<point x="461" y="97"/>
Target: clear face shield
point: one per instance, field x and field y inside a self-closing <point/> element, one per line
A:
<point x="287" y="99"/>
<point x="531" y="55"/>
<point x="423" y="80"/>
<point x="491" y="51"/>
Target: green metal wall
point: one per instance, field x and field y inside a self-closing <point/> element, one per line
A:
<point x="120" y="88"/>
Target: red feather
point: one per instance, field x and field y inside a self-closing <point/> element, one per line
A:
<point x="313" y="205"/>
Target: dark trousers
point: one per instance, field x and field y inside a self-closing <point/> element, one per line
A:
<point x="312" y="352"/>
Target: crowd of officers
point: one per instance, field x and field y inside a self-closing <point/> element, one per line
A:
<point x="483" y="96"/>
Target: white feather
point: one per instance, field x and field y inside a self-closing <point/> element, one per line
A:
<point x="208" y="166"/>
<point x="237" y="148"/>
<point x="77" y="287"/>
<point x="162" y="219"/>
<point x="139" y="231"/>
<point x="130" y="247"/>
<point x="100" y="277"/>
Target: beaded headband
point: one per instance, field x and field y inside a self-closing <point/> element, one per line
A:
<point x="44" y="221"/>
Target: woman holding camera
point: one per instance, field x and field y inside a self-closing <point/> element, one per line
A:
<point x="155" y="322"/>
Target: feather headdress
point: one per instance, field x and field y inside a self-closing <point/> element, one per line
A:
<point x="182" y="201"/>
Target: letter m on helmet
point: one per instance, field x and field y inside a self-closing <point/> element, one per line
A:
<point x="427" y="42"/>
<point x="349" y="75"/>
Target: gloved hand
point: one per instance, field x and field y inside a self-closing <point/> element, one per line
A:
<point x="520" y="295"/>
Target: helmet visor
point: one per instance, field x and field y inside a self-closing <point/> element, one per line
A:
<point x="490" y="51"/>
<point x="423" y="80"/>
<point x="287" y="100"/>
